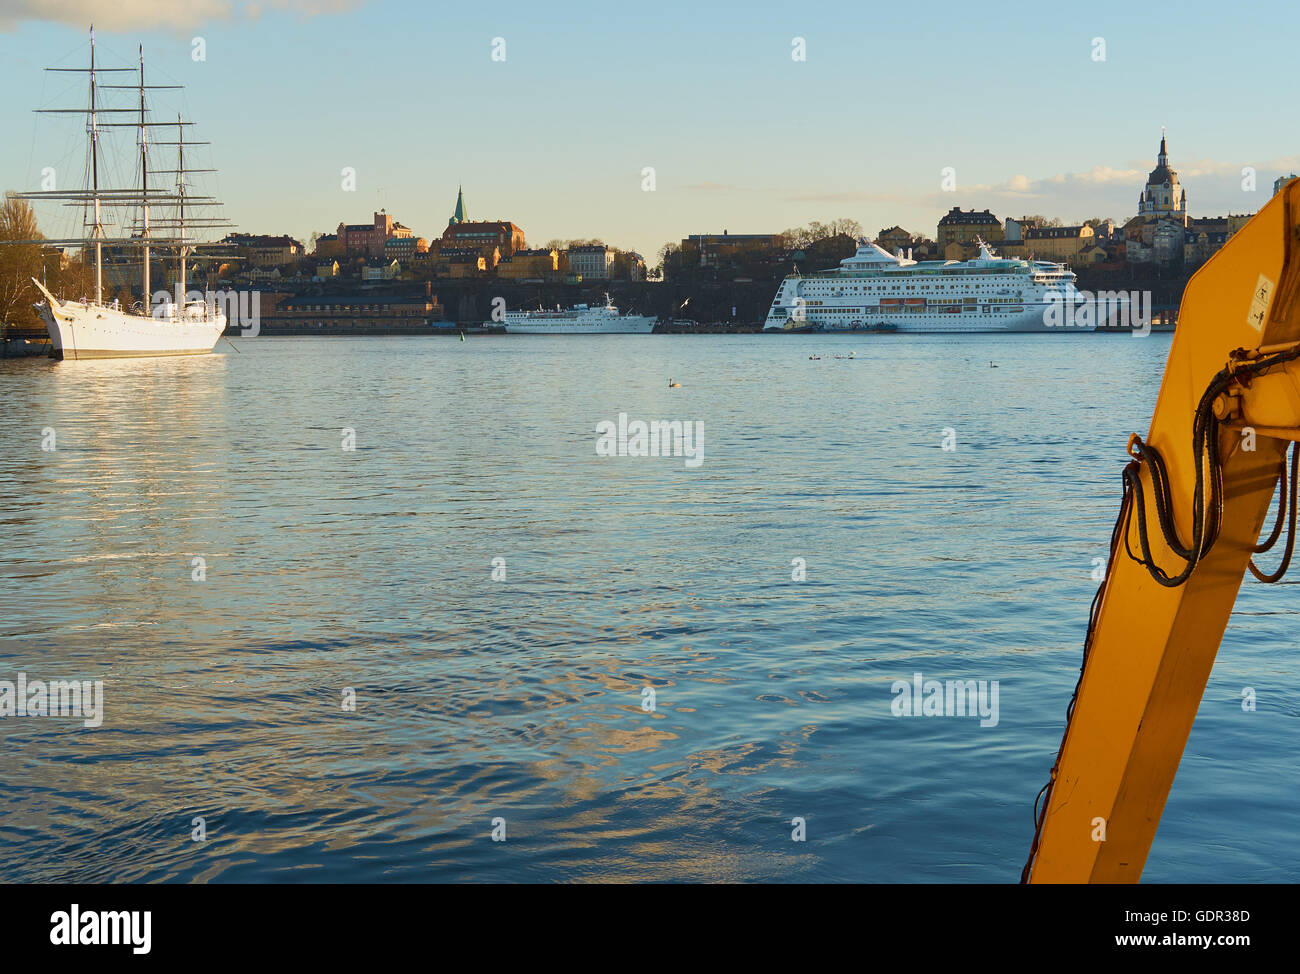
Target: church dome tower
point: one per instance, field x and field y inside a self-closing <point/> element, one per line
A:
<point x="1163" y="197"/>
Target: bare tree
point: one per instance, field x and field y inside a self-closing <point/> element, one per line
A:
<point x="19" y="263"/>
<point x="801" y="238"/>
<point x="847" y="227"/>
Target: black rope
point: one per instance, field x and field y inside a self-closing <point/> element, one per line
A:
<point x="1283" y="506"/>
<point x="1281" y="514"/>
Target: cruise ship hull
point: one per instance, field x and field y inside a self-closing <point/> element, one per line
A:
<point x="625" y="325"/>
<point x="1033" y="320"/>
<point x="90" y="331"/>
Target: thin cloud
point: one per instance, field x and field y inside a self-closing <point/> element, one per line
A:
<point x="846" y="196"/>
<point x="712" y="188"/>
<point x="154" y="14"/>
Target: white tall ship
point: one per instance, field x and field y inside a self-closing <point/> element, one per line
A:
<point x="581" y="319"/>
<point x="876" y="290"/>
<point x="153" y="217"/>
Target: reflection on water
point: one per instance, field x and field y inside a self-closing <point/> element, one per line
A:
<point x="521" y="698"/>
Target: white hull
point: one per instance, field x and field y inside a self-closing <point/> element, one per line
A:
<point x="581" y="319"/>
<point x="625" y="325"/>
<point x="1029" y="321"/>
<point x="91" y="331"/>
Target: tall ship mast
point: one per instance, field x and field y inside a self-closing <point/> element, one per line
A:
<point x="148" y="217"/>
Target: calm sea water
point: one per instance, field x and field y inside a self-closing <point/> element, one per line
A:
<point x="521" y="699"/>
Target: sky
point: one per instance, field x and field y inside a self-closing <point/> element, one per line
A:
<point x="740" y="135"/>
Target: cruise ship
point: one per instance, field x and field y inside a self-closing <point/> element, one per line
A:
<point x="581" y="319"/>
<point x="877" y="291"/>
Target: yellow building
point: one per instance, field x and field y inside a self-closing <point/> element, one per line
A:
<point x="894" y="239"/>
<point x="1238" y="220"/>
<point x="1063" y="244"/>
<point x="958" y="226"/>
<point x="525" y="264"/>
<point x="456" y="262"/>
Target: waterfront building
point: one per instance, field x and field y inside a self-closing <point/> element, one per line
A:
<point x="1201" y="243"/>
<point x="1005" y="248"/>
<point x="716" y="249"/>
<point x="404" y="248"/>
<point x="958" y="226"/>
<point x="352" y="310"/>
<point x="380" y="270"/>
<point x="1282" y="181"/>
<point x="1060" y="244"/>
<point x="1104" y="232"/>
<point x="327" y="268"/>
<point x="462" y="261"/>
<point x="261" y="250"/>
<point x="593" y="262"/>
<point x="1167" y="241"/>
<point x="502" y="236"/>
<point x="1015" y="229"/>
<point x="464" y="233"/>
<point x="923" y="248"/>
<point x="894" y="239"/>
<point x="368" y="241"/>
<point x="529" y="265"/>
<point x="329" y="245"/>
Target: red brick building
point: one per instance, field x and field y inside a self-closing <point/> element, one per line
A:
<point x="368" y="241"/>
<point x="464" y="233"/>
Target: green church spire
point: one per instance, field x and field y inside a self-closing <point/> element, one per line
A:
<point x="460" y="216"/>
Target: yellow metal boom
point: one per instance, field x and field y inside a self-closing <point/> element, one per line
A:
<point x="1228" y="408"/>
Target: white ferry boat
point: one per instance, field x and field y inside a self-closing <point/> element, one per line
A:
<point x="877" y="291"/>
<point x="581" y="319"/>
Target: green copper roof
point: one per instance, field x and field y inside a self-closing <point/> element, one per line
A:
<point x="460" y="216"/>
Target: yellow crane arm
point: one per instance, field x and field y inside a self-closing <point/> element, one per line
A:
<point x="1197" y="492"/>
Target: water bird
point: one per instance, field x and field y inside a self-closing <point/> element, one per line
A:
<point x="674" y="385"/>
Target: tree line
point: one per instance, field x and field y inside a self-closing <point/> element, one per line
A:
<point x="21" y="263"/>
